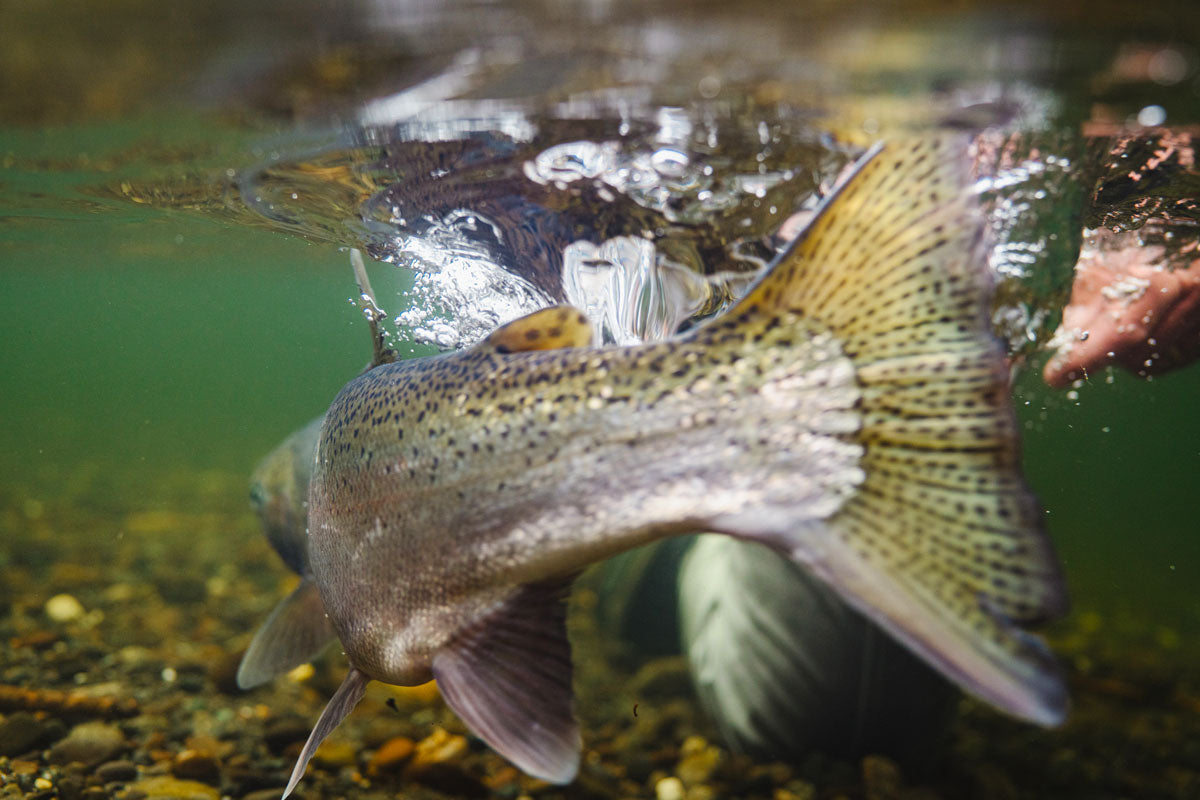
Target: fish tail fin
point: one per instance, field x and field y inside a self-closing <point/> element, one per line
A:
<point x="942" y="542"/>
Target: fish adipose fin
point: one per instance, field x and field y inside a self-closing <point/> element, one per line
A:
<point x="339" y="706"/>
<point x="548" y="329"/>
<point x="295" y="633"/>
<point x="509" y="678"/>
<point x="942" y="543"/>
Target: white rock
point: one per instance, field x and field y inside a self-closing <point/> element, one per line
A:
<point x="669" y="789"/>
<point x="64" y="608"/>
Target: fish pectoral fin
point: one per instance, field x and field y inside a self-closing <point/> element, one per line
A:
<point x="508" y="677"/>
<point x="295" y="633"/>
<point x="548" y="329"/>
<point x="342" y="703"/>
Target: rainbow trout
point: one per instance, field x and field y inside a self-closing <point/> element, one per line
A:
<point x="850" y="412"/>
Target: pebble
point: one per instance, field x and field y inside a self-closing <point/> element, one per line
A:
<point x="335" y="754"/>
<point x="413" y="697"/>
<point x="69" y="787"/>
<point x="244" y="775"/>
<point x="390" y="756"/>
<point x="797" y="790"/>
<point x="669" y="789"/>
<point x="264" y="794"/>
<point x="21" y="732"/>
<point x="164" y="787"/>
<point x="88" y="743"/>
<point x="881" y="778"/>
<point x="439" y="747"/>
<point x="223" y="672"/>
<point x="121" y="770"/>
<point x="197" y="765"/>
<point x="698" y="761"/>
<point x="38" y="640"/>
<point x="452" y="780"/>
<point x="436" y="763"/>
<point x="284" y="731"/>
<point x="64" y="608"/>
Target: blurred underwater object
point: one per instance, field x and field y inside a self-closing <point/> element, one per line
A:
<point x="786" y="668"/>
<point x="781" y="664"/>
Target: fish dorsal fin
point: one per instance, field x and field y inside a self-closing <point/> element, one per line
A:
<point x="342" y="703"/>
<point x="508" y="677"/>
<point x="547" y="329"/>
<point x="295" y="633"/>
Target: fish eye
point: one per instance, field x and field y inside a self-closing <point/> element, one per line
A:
<point x="258" y="496"/>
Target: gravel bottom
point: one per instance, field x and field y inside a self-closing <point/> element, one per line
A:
<point x="120" y="634"/>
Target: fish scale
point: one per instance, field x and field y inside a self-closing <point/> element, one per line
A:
<point x="850" y="412"/>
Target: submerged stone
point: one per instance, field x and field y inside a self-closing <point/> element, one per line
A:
<point x="21" y="732"/>
<point x="88" y="743"/>
<point x="162" y="787"/>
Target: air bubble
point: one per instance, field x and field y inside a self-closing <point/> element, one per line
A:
<point x="1152" y="116"/>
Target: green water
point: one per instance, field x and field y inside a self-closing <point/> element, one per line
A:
<point x="1115" y="471"/>
<point x="152" y="353"/>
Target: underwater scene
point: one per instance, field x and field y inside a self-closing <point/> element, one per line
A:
<point x="599" y="399"/>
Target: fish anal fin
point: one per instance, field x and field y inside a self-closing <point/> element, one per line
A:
<point x="339" y="706"/>
<point x="508" y="677"/>
<point x="295" y="633"/>
<point x="548" y="329"/>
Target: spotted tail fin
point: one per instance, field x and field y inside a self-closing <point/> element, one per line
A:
<point x="942" y="543"/>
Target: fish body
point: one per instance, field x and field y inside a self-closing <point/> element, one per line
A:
<point x="486" y="446"/>
<point x="298" y="628"/>
<point x="850" y="412"/>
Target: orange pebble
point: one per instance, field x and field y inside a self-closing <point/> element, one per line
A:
<point x="391" y="755"/>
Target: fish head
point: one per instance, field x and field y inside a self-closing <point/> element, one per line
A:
<point x="279" y="495"/>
